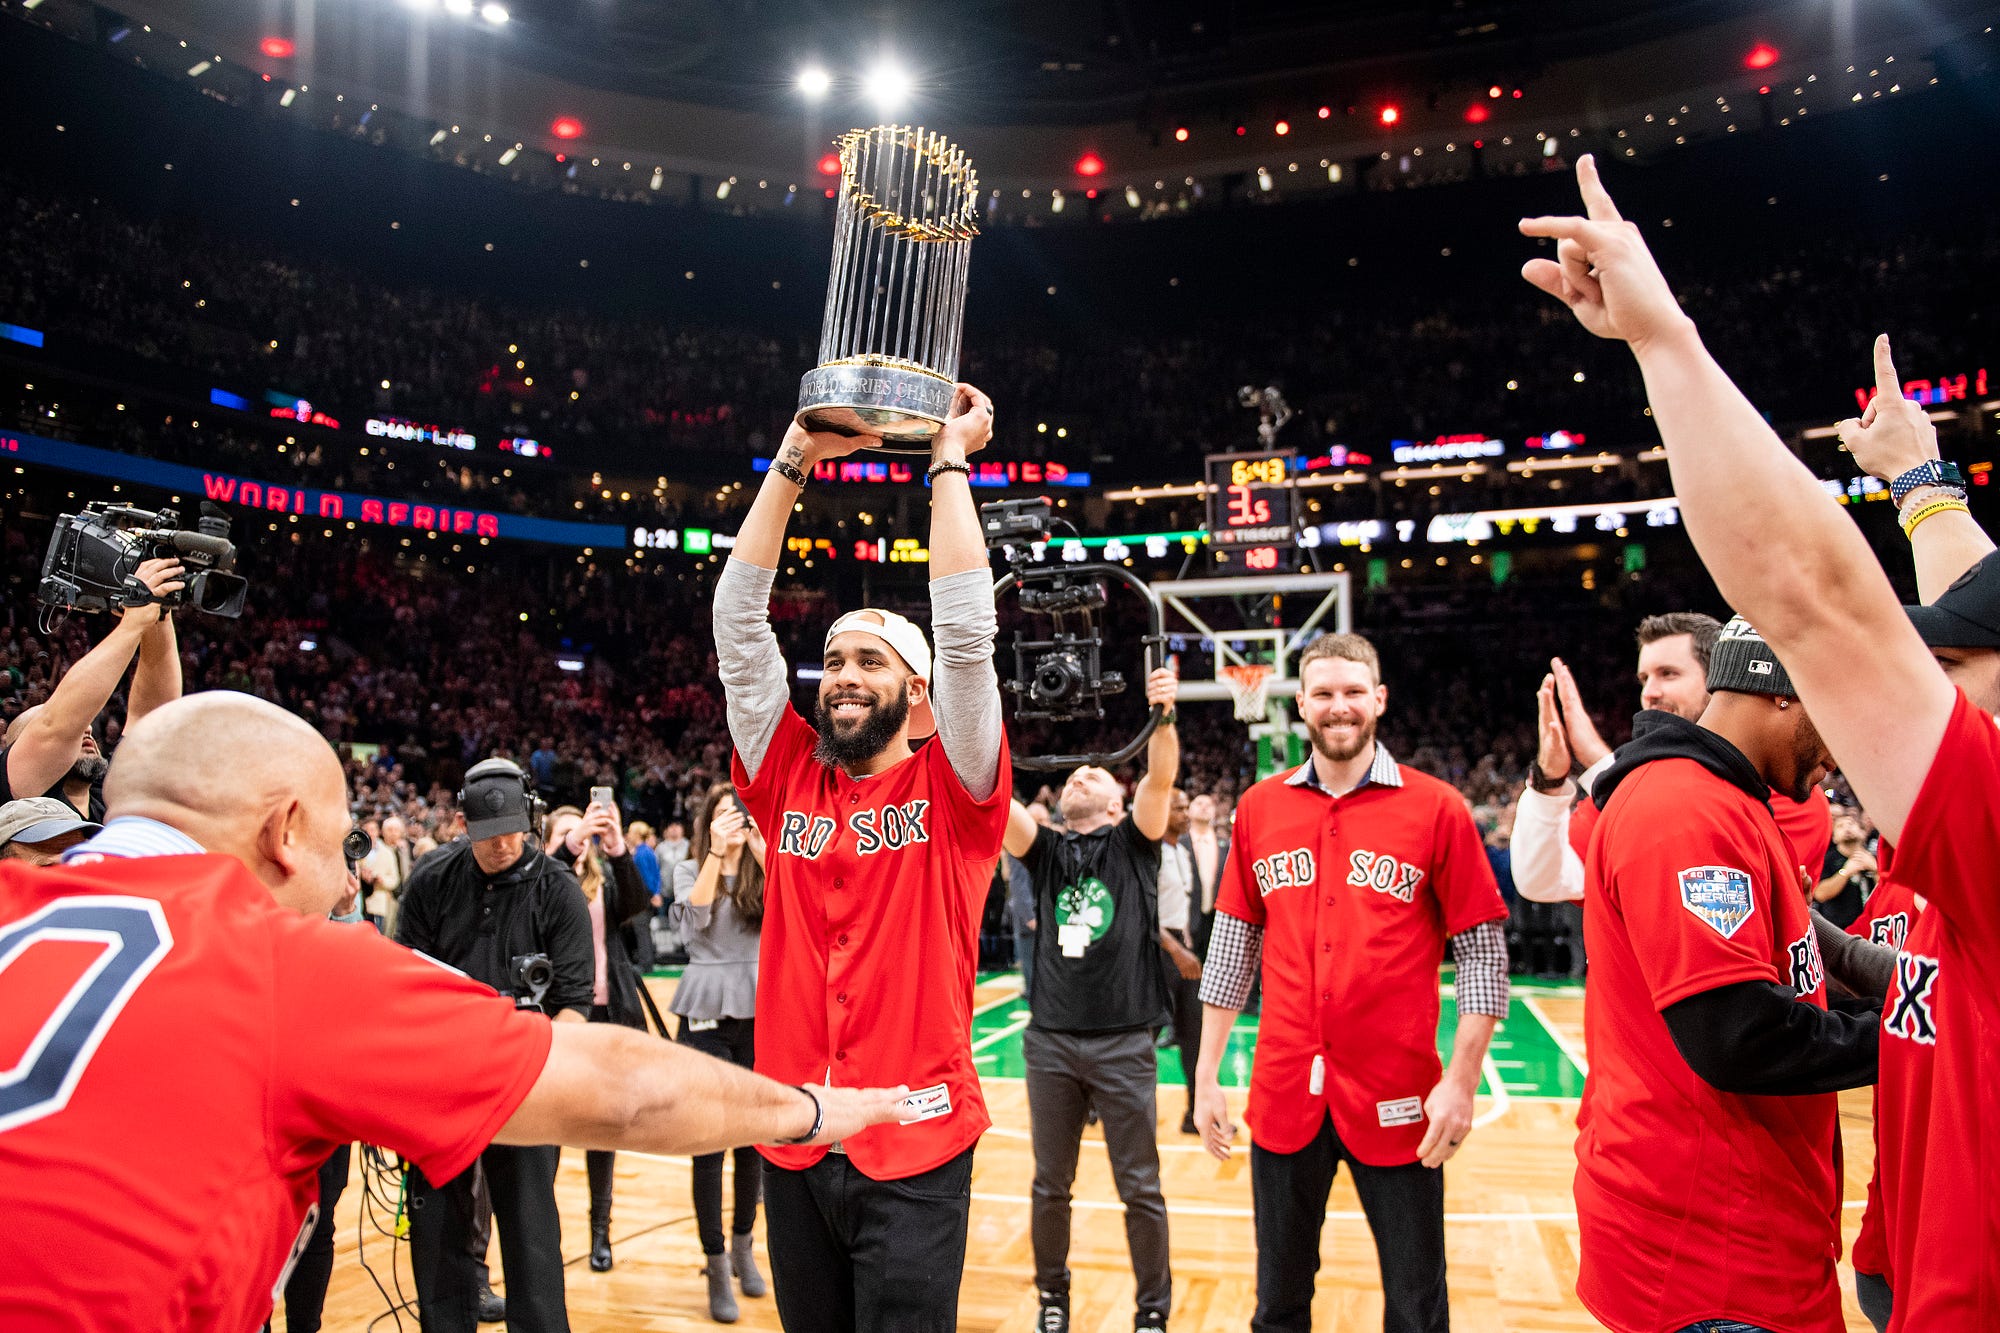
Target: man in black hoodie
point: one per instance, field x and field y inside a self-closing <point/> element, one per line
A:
<point x="1707" y="1181"/>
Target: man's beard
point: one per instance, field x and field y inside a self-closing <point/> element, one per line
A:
<point x="1808" y="752"/>
<point x="87" y="768"/>
<point x="868" y="738"/>
<point x="1364" y="738"/>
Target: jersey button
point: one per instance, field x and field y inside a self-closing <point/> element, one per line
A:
<point x="854" y="798"/>
<point x="840" y="1055"/>
<point x="841" y="998"/>
<point x="837" y="882"/>
<point x="1326" y="995"/>
<point x="843" y="939"/>
<point x="1326" y="948"/>
<point x="1329" y="900"/>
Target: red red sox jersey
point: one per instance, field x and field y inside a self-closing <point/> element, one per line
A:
<point x="1886" y="920"/>
<point x="873" y="892"/>
<point x="1357" y="895"/>
<point x="1807" y="826"/>
<point x="184" y="1054"/>
<point x="1938" y="1132"/>
<point x="1694" y="1203"/>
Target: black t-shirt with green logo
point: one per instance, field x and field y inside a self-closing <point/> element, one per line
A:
<point x="1097" y="937"/>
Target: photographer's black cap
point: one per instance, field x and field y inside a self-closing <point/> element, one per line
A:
<point x="1968" y="614"/>
<point x="496" y="800"/>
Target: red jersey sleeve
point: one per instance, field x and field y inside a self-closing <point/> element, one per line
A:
<point x="1696" y="898"/>
<point x="977" y="826"/>
<point x="376" y="1043"/>
<point x="1461" y="876"/>
<point x="764" y="795"/>
<point x="1237" y="893"/>
<point x="1950" y="850"/>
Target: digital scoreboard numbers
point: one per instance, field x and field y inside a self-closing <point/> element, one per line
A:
<point x="1250" y="517"/>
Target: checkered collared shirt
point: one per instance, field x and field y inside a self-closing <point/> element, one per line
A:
<point x="1236" y="948"/>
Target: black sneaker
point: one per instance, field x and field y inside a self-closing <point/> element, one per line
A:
<point x="1187" y="1124"/>
<point x="1146" y="1319"/>
<point x="1054" y="1315"/>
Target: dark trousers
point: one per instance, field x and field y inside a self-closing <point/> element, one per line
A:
<point x="599" y="1165"/>
<point x="734" y="1040"/>
<point x="1871" y="1292"/>
<point x="1405" y="1210"/>
<point x="1118" y="1073"/>
<point x="1184" y="1003"/>
<point x="849" y="1253"/>
<point x="305" y="1289"/>
<point x="1024" y="954"/>
<point x="522" y="1182"/>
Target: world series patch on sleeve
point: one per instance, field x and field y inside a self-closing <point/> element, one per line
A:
<point x="1718" y="895"/>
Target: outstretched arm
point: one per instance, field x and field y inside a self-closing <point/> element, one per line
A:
<point x="755" y="681"/>
<point x="1780" y="550"/>
<point x="1152" y="803"/>
<point x="157" y="678"/>
<point x="965" y="688"/>
<point x="1893" y="436"/>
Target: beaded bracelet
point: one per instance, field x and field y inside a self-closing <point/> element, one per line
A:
<point x="932" y="473"/>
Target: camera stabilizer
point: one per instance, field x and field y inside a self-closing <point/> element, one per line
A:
<point x="1061" y="678"/>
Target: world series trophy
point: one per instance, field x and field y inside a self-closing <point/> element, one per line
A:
<point x="895" y="303"/>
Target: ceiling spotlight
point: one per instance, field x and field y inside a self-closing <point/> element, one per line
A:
<point x="494" y="14"/>
<point x="1761" y="56"/>
<point x="1282" y="127"/>
<point x="814" y="81"/>
<point x="830" y="165"/>
<point x="1326" y="113"/>
<point x="459" y="7"/>
<point x="1181" y="134"/>
<point x="887" y="86"/>
<point x="1493" y="91"/>
<point x="1476" y="114"/>
<point x="566" y="127"/>
<point x="1090" y="164"/>
<point x="1390" y="115"/>
<point x="278" y="48"/>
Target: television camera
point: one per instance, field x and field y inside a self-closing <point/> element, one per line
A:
<point x="94" y="557"/>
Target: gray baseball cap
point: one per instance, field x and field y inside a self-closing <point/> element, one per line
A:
<point x="39" y="818"/>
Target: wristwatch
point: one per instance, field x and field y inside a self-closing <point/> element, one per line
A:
<point x="1930" y="472"/>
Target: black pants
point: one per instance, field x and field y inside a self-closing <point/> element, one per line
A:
<point x="1405" y="1210"/>
<point x="1871" y="1293"/>
<point x="1184" y="1002"/>
<point x="850" y="1253"/>
<point x="1118" y="1073"/>
<point x="734" y="1040"/>
<point x="598" y="1164"/>
<point x="522" y="1182"/>
<point x="305" y="1289"/>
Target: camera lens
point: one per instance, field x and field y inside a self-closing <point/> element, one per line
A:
<point x="1058" y="679"/>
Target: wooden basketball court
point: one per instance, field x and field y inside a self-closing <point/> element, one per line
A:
<point x="1510" y="1222"/>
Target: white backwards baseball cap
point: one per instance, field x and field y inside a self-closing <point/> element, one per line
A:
<point x="903" y="636"/>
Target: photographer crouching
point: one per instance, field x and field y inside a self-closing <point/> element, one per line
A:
<point x="506" y="914"/>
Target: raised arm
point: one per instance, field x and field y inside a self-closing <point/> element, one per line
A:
<point x="157" y="678"/>
<point x="755" y="681"/>
<point x="1153" y="801"/>
<point x="1021" y="830"/>
<point x="1546" y="868"/>
<point x="965" y="688"/>
<point x="607" y="1086"/>
<point x="1779" y="548"/>
<point x="1892" y="437"/>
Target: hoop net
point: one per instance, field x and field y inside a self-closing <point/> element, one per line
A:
<point x="1247" y="683"/>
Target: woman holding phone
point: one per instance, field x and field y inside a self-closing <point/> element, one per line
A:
<point x="719" y="904"/>
<point x="592" y="841"/>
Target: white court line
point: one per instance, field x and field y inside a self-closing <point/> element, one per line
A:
<point x="1563" y="1043"/>
<point x="1019" y="1025"/>
<point x="1500" y="1094"/>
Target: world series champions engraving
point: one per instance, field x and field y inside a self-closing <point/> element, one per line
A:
<point x="895" y="300"/>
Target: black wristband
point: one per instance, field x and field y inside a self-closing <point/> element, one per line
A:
<point x="1170" y="717"/>
<point x="819" y="1121"/>
<point x="931" y="473"/>
<point x="788" y="472"/>
<point x="1539" y="781"/>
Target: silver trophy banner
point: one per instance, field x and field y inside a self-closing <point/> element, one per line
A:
<point x="895" y="303"/>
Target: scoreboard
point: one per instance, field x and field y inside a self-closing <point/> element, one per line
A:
<point x="1250" y="509"/>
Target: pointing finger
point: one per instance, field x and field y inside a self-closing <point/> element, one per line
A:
<point x="1596" y="199"/>
<point x="1886" y="383"/>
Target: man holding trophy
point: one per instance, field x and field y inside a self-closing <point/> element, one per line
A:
<point x="881" y="847"/>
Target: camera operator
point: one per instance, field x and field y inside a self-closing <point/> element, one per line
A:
<point x="49" y="749"/>
<point x="495" y="908"/>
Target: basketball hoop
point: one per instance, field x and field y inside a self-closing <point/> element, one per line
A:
<point x="1247" y="683"/>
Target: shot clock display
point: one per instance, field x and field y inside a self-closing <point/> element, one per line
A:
<point x="1250" y="498"/>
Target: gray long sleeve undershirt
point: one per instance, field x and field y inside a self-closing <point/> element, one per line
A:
<point x="965" y="687"/>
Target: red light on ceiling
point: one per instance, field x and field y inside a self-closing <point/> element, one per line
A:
<point x="1181" y="134"/>
<point x="1479" y="143"/>
<point x="1762" y="56"/>
<point x="830" y="165"/>
<point x="1517" y="94"/>
<point x="566" y="127"/>
<point x="1326" y="113"/>
<point x="1090" y="194"/>
<point x="1764" y="90"/>
<point x="1242" y="130"/>
<point x="1390" y="115"/>
<point x="1282" y="127"/>
<point x="1090" y="164"/>
<point x="278" y="48"/>
<point x="1476" y="114"/>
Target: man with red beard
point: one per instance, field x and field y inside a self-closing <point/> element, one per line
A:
<point x="880" y="851"/>
<point x="1345" y="879"/>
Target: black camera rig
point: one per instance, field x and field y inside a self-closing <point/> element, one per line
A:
<point x="1061" y="678"/>
<point x="94" y="557"/>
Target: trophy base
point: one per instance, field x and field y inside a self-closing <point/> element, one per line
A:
<point x="902" y="404"/>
